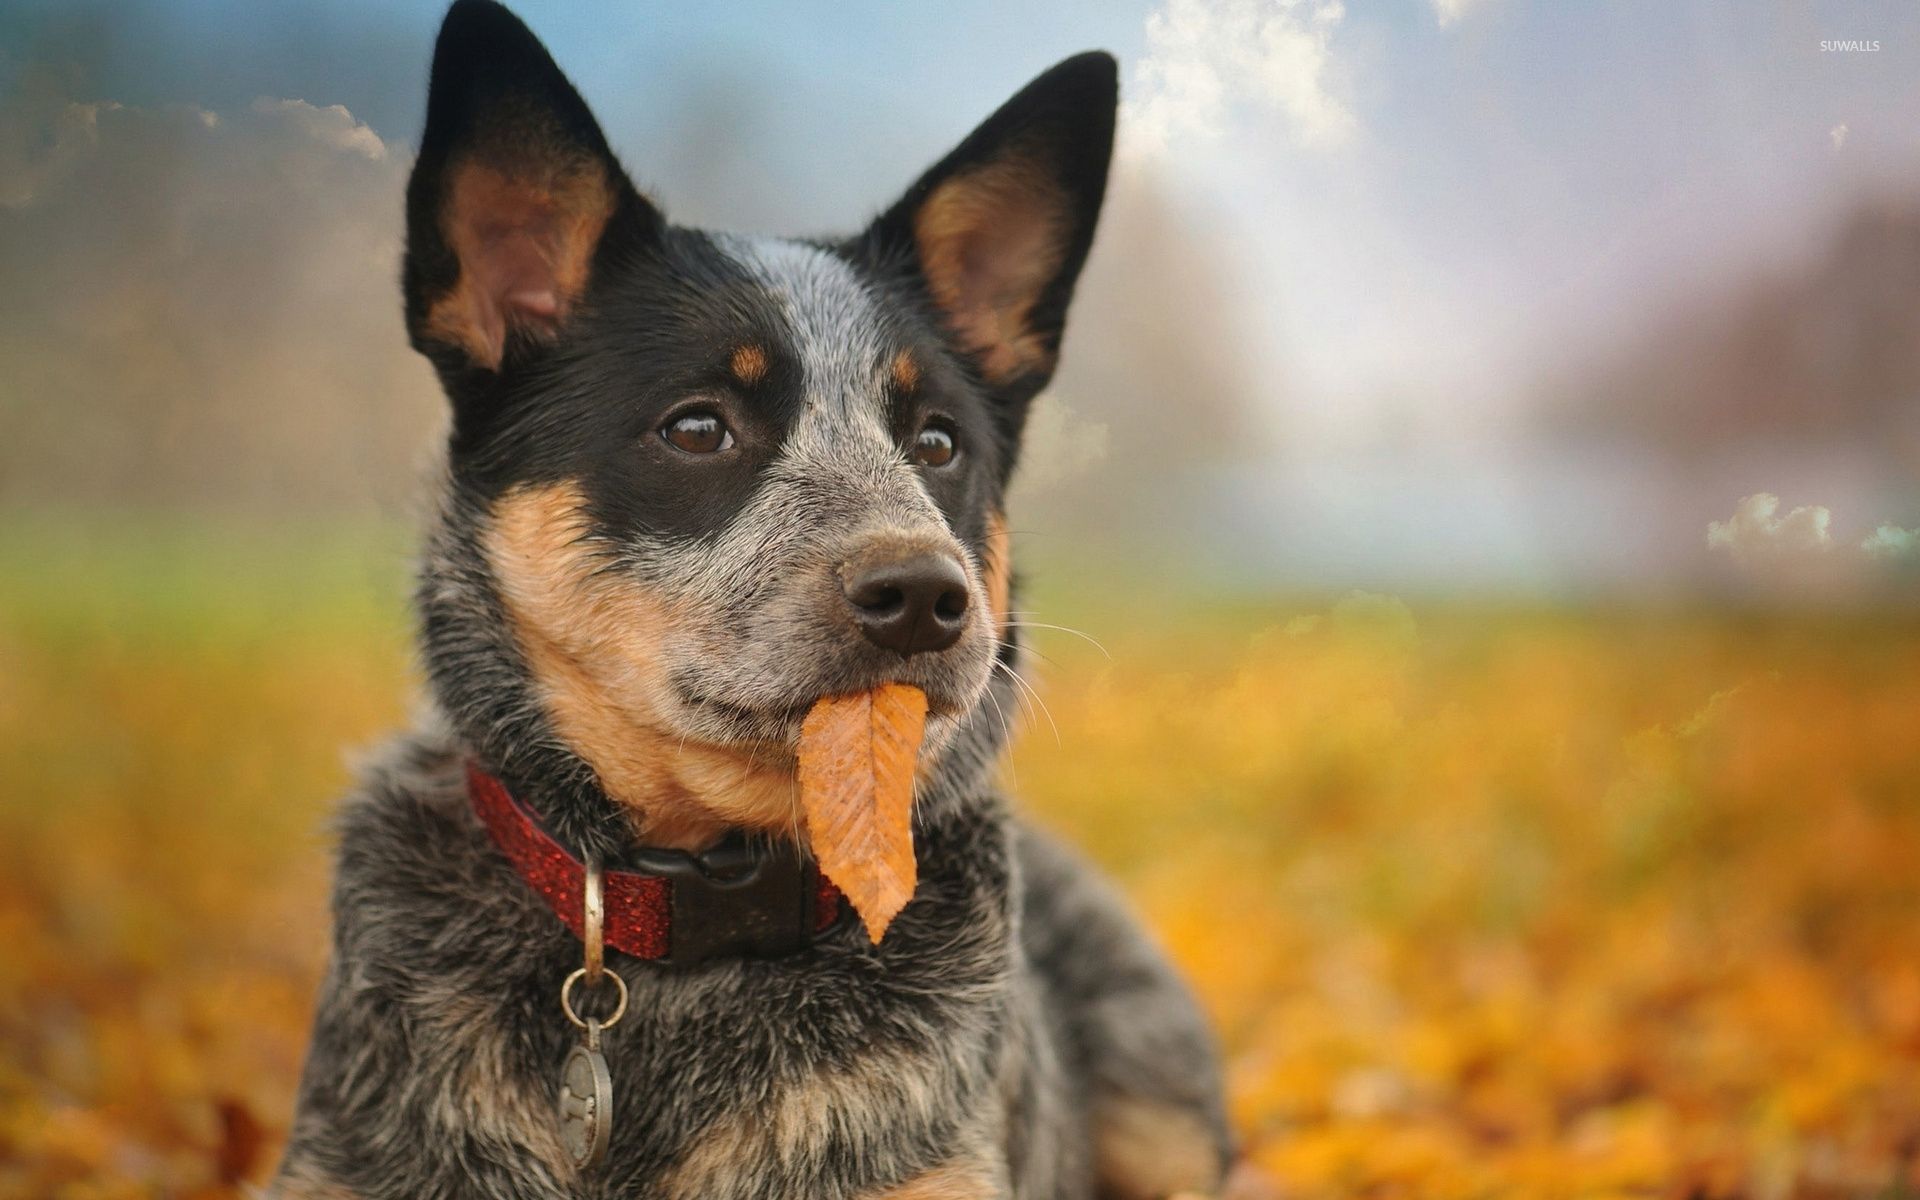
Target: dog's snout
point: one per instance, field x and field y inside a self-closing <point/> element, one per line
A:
<point x="910" y="602"/>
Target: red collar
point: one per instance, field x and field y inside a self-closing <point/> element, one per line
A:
<point x="679" y="908"/>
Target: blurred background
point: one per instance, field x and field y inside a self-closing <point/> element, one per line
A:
<point x="1486" y="467"/>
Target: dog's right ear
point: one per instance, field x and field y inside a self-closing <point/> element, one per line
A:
<point x="513" y="199"/>
<point x="997" y="231"/>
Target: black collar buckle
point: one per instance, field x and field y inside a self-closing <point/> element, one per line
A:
<point x="739" y="900"/>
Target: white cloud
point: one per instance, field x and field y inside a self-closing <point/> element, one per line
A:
<point x="1450" y="11"/>
<point x="332" y="126"/>
<point x="1838" y="136"/>
<point x="1206" y="57"/>
<point x="1757" y="531"/>
<point x="213" y="316"/>
<point x="1060" y="444"/>
<point x="1889" y="541"/>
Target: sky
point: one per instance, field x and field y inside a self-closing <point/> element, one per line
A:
<point x="1395" y="218"/>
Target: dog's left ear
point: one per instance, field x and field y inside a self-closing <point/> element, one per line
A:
<point x="514" y="196"/>
<point x="996" y="233"/>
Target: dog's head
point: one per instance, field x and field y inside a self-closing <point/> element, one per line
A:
<point x="697" y="481"/>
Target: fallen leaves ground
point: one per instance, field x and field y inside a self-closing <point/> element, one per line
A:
<point x="1485" y="903"/>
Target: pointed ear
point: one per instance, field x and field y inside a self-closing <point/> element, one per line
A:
<point x="513" y="196"/>
<point x="998" y="230"/>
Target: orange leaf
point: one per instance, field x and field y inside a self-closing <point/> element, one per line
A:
<point x="857" y="758"/>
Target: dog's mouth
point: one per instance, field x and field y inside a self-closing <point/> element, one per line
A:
<point x="742" y="722"/>
<point x="777" y="726"/>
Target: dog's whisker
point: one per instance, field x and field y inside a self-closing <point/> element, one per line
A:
<point x="1043" y="658"/>
<point x="1087" y="637"/>
<point x="1006" y="729"/>
<point x="1034" y="696"/>
<point x="1026" y="706"/>
<point x="1013" y="773"/>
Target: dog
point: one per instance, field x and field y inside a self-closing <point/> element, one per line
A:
<point x="694" y="482"/>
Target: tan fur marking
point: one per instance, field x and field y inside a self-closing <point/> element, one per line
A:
<point x="906" y="371"/>
<point x="1145" y="1150"/>
<point x="488" y="1093"/>
<point x="792" y="1127"/>
<point x="525" y="238"/>
<point x="594" y="643"/>
<point x="749" y="364"/>
<point x="954" y="1181"/>
<point x="996" y="569"/>
<point x="1017" y="217"/>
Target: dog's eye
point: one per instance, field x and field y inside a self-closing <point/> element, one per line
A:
<point x="698" y="433"/>
<point x="934" y="446"/>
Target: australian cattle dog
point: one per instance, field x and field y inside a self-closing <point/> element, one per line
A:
<point x="695" y="482"/>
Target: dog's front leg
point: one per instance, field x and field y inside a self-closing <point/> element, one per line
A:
<point x="1152" y="1082"/>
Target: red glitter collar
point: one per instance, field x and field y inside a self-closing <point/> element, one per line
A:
<point x="679" y="908"/>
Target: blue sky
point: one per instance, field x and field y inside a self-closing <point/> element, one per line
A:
<point x="1397" y="214"/>
<point x="841" y="82"/>
<point x="1507" y="168"/>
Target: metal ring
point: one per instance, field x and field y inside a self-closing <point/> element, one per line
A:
<point x="593" y="922"/>
<point x="566" y="999"/>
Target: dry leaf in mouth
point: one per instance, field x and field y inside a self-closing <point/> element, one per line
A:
<point x="857" y="759"/>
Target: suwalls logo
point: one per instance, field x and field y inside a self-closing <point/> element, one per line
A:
<point x="1846" y="47"/>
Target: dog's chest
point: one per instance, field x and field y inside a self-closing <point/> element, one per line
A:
<point x="831" y="1070"/>
<point x="705" y="1098"/>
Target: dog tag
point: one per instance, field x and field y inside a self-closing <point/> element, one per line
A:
<point x="586" y="1102"/>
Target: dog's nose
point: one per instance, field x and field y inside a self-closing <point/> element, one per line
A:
<point x="910" y="603"/>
